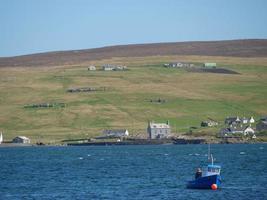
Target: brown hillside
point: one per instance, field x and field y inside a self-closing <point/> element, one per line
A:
<point x="234" y="48"/>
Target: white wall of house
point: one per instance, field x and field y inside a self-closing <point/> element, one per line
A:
<point x="1" y="137"/>
<point x="249" y="131"/>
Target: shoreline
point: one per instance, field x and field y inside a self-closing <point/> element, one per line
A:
<point x="134" y="142"/>
<point x="162" y="142"/>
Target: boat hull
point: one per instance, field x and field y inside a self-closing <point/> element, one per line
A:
<point x="205" y="182"/>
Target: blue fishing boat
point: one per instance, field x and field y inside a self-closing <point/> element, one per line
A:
<point x="210" y="180"/>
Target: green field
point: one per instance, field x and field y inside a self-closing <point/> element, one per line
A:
<point x="190" y="97"/>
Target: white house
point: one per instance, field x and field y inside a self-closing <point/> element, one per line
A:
<point x="251" y="120"/>
<point x="21" y="139"/>
<point x="116" y="133"/>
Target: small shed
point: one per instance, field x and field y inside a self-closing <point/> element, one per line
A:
<point x="91" y="68"/>
<point x="210" y="65"/>
<point x="21" y="139"/>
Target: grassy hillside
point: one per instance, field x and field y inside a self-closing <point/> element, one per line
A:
<point x="190" y="97"/>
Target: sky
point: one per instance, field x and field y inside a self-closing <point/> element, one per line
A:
<point x="34" y="26"/>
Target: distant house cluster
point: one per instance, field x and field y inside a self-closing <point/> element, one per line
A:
<point x="159" y="130"/>
<point x="189" y="65"/>
<point x="179" y="64"/>
<point x="236" y="125"/>
<point x="109" y="67"/>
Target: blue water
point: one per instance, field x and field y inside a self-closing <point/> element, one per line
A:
<point x="129" y="172"/>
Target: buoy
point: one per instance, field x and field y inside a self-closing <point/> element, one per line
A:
<point x="214" y="187"/>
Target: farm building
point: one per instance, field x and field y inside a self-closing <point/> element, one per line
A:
<point x="262" y="124"/>
<point x="178" y="64"/>
<point x="109" y="67"/>
<point x="116" y="133"/>
<point x="159" y="130"/>
<point x="91" y="68"/>
<point x="120" y="68"/>
<point x="210" y="65"/>
<point x="209" y="123"/>
<point x="21" y="139"/>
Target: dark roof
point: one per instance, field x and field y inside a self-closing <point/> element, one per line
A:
<point x="238" y="128"/>
<point x="230" y="118"/>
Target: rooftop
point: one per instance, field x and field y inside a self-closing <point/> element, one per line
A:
<point x="22" y="137"/>
<point x="159" y="125"/>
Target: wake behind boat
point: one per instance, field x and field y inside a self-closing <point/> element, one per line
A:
<point x="210" y="180"/>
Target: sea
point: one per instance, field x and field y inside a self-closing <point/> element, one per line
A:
<point x="130" y="172"/>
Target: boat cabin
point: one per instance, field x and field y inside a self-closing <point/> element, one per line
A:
<point x="213" y="170"/>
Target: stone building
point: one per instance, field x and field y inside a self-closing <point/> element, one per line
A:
<point x="158" y="130"/>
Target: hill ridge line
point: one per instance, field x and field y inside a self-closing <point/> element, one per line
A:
<point x="228" y="48"/>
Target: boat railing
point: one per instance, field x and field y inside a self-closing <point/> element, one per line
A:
<point x="213" y="170"/>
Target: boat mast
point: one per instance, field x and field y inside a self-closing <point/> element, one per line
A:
<point x="210" y="157"/>
<point x="209" y="151"/>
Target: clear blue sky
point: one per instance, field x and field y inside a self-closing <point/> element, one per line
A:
<point x="31" y="26"/>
